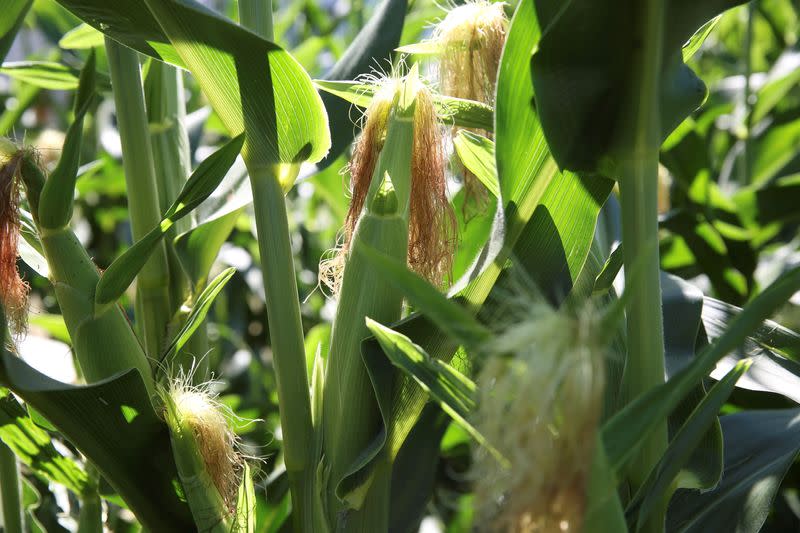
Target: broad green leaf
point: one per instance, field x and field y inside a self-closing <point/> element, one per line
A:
<point x="760" y="446"/>
<point x="43" y="74"/>
<point x="460" y="112"/>
<point x="252" y="84"/>
<point x="14" y="12"/>
<point x="583" y="79"/>
<point x="113" y="424"/>
<point x="775" y="201"/>
<point x="682" y="305"/>
<point x="453" y="391"/>
<point x="81" y="37"/>
<point x="199" y="247"/>
<point x="773" y="150"/>
<point x="447" y="314"/>
<point x="198" y="313"/>
<point x="34" y="447"/>
<point x="56" y="200"/>
<point x="415" y="469"/>
<point x="696" y="41"/>
<point x="476" y="153"/>
<point x="680" y="448"/>
<point x="198" y="187"/>
<point x="781" y="79"/>
<point x="768" y="347"/>
<point x="373" y="45"/>
<point x="628" y="427"/>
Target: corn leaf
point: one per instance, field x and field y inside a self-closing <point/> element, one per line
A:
<point x="80" y="38"/>
<point x="447" y="314"/>
<point x="252" y="83"/>
<point x="198" y="187"/>
<point x="373" y="45"/>
<point x="477" y="155"/>
<point x="43" y="74"/>
<point x="771" y="347"/>
<point x="55" y="202"/>
<point x="34" y="447"/>
<point x="114" y="425"/>
<point x="760" y="446"/>
<point x="453" y="391"/>
<point x="623" y="433"/>
<point x="579" y="134"/>
<point x="198" y="313"/>
<point x="198" y="248"/>
<point x="680" y="448"/>
<point x="464" y="113"/>
<point x="14" y="12"/>
<point x="682" y="305"/>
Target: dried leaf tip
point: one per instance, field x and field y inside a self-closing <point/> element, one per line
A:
<point x="540" y="403"/>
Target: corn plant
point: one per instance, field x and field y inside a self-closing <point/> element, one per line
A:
<point x="485" y="309"/>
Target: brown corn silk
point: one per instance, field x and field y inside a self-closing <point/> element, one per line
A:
<point x="471" y="38"/>
<point x="431" y="239"/>
<point x="13" y="290"/>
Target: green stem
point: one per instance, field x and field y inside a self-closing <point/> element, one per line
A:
<point x="10" y="490"/>
<point x="90" y="518"/>
<point x="166" y="111"/>
<point x="638" y="185"/>
<point x="283" y="314"/>
<point x="746" y="161"/>
<point x="286" y="339"/>
<point x="152" y="285"/>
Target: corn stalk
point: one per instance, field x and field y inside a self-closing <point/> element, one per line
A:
<point x="638" y="184"/>
<point x="267" y="179"/>
<point x="153" y="282"/>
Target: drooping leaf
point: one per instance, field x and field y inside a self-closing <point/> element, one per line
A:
<point x="460" y="112"/>
<point x="771" y="347"/>
<point x="252" y="83"/>
<point x="113" y="424"/>
<point x="81" y="37"/>
<point x="680" y="448"/>
<point x="34" y="447"/>
<point x="453" y="391"/>
<point x="760" y="446"/>
<point x="43" y="74"/>
<point x="582" y="71"/>
<point x="447" y="314"/>
<point x="623" y="433"/>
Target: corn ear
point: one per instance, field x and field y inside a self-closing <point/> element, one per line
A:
<point x="348" y="394"/>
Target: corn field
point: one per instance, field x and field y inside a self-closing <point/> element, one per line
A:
<point x="399" y="266"/>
